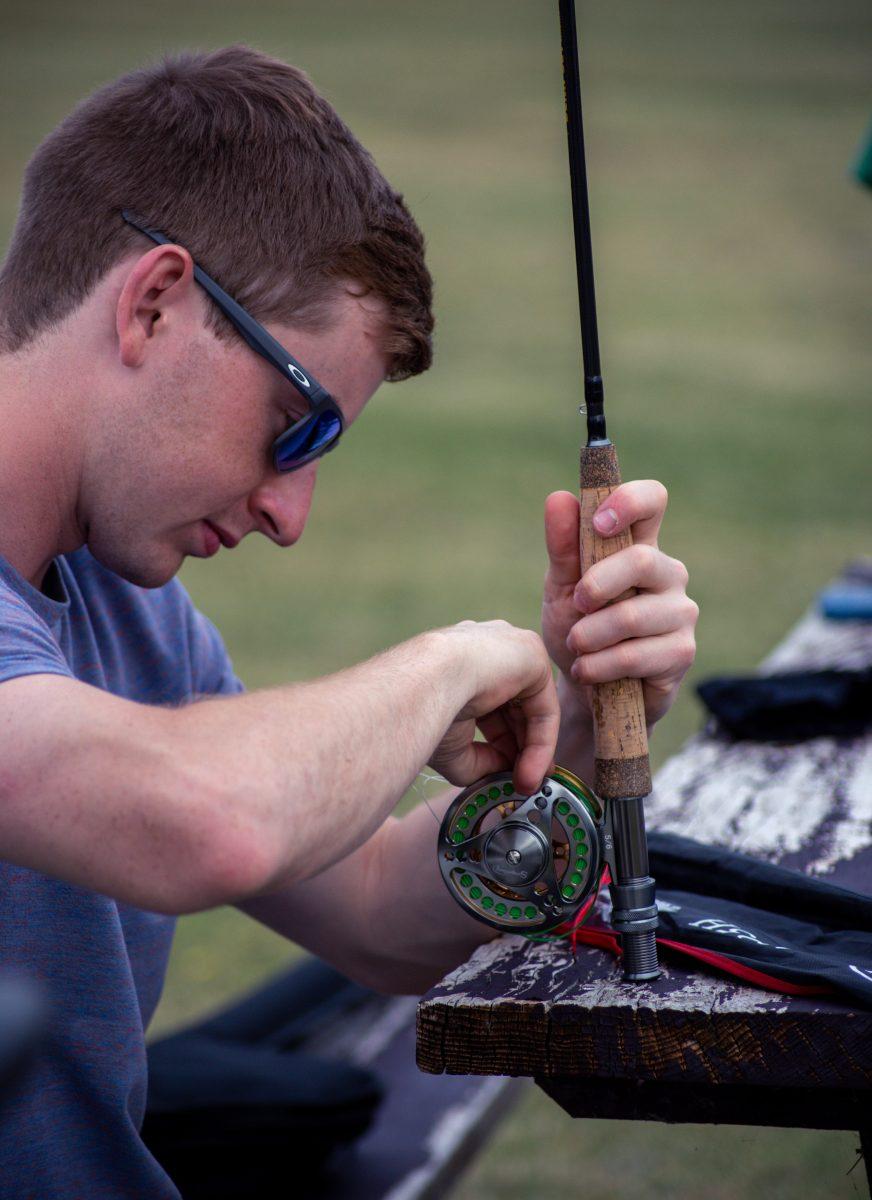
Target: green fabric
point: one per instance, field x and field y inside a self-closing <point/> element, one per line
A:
<point x="862" y="167"/>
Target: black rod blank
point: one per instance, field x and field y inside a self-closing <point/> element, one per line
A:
<point x="593" y="383"/>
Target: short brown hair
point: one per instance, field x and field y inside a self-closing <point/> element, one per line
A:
<point x="237" y="157"/>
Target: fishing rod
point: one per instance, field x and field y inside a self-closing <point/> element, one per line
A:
<point x="534" y="864"/>
<point x="623" y="771"/>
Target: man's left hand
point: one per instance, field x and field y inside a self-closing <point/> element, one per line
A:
<point x="649" y="636"/>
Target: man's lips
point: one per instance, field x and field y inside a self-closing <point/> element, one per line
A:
<point x="225" y="538"/>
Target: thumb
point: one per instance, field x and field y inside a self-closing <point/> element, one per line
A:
<point x="462" y="760"/>
<point x="561" y="539"/>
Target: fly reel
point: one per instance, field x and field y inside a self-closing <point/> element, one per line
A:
<point x="523" y="863"/>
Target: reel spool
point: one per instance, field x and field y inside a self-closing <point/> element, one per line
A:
<point x="523" y="863"/>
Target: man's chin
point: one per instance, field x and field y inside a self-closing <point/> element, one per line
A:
<point x="146" y="570"/>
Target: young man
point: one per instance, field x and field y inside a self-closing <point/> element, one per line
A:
<point x="140" y="427"/>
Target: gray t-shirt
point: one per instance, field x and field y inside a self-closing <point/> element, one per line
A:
<point x="71" y="1128"/>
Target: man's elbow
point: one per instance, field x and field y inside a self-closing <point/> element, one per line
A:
<point x="237" y="865"/>
<point x="207" y="850"/>
<point x="219" y="871"/>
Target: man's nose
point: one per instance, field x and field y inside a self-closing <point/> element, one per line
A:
<point x="280" y="504"/>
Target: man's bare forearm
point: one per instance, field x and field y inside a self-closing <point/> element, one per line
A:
<point x="180" y="809"/>
<point x="293" y="758"/>
<point x="175" y="810"/>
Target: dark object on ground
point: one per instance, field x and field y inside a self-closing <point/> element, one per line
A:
<point x="792" y="706"/>
<point x="233" y="1102"/>
<point x="313" y="1034"/>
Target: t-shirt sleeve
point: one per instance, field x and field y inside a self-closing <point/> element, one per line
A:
<point x="26" y="643"/>
<point x="211" y="667"/>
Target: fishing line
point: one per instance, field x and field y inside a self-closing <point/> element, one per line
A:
<point x="418" y="786"/>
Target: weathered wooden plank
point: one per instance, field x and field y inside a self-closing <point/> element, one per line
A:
<point x="519" y="1008"/>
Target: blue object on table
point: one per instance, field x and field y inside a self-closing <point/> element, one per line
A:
<point x="847" y="602"/>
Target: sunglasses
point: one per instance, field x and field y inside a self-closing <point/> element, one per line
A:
<point x="314" y="434"/>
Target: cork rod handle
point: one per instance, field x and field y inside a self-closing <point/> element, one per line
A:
<point x="620" y="733"/>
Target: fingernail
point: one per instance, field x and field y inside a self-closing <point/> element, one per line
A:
<point x="579" y="599"/>
<point x="605" y="520"/>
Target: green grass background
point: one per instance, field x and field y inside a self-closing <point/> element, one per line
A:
<point x="733" y="275"/>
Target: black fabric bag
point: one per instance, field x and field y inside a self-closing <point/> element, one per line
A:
<point x="792" y="706"/>
<point x="236" y="1109"/>
<point x="767" y="925"/>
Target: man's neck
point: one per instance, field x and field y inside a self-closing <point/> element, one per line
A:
<point x="40" y="459"/>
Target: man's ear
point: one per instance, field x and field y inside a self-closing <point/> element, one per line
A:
<point x="158" y="282"/>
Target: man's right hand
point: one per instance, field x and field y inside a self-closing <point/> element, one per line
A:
<point x="514" y="704"/>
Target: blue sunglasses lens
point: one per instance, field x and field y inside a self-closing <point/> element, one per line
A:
<point x="309" y="439"/>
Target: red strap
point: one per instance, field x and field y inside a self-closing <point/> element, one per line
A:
<point x="605" y="939"/>
<point x="724" y="963"/>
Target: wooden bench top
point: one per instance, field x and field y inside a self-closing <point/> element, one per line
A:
<point x="602" y="1047"/>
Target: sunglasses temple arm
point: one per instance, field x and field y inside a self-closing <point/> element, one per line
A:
<point x="260" y="340"/>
